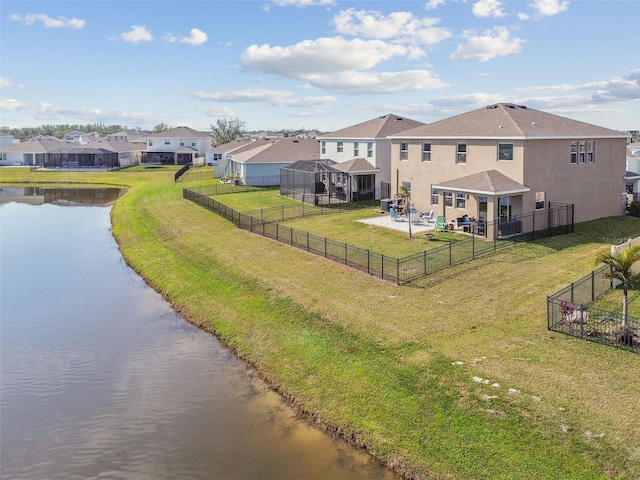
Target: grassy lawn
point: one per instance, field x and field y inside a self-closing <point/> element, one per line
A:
<point x="452" y="376"/>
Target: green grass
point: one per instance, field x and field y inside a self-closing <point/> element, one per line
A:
<point x="391" y="368"/>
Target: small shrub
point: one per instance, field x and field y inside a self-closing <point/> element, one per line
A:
<point x="633" y="209"/>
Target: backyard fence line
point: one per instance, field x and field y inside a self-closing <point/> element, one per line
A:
<point x="267" y="222"/>
<point x="569" y="312"/>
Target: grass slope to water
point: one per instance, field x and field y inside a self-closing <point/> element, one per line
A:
<point x="452" y="376"/>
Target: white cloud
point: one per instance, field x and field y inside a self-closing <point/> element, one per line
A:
<point x="47" y="21"/>
<point x="548" y="8"/>
<point x="378" y="82"/>
<point x="218" y="112"/>
<point x="313" y="57"/>
<point x="433" y="4"/>
<point x="281" y="98"/>
<point x="302" y="3"/>
<point x="138" y="33"/>
<point x="493" y="43"/>
<point x="6" y="82"/>
<point x="488" y="8"/>
<point x="403" y="26"/>
<point x="197" y="37"/>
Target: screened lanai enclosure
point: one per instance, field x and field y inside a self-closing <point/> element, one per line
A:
<point x="81" y="157"/>
<point x="322" y="182"/>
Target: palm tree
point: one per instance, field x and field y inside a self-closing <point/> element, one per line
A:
<point x="620" y="269"/>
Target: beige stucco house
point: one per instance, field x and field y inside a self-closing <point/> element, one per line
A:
<point x="177" y="146"/>
<point x="506" y="160"/>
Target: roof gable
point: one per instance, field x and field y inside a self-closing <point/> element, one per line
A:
<point x="380" y="127"/>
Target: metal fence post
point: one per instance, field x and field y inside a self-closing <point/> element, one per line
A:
<point x="450" y="254"/>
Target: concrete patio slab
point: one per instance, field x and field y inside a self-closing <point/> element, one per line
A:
<point x="385" y="221"/>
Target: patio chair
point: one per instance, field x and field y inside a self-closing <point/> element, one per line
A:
<point x="395" y="216"/>
<point x="441" y="223"/>
<point x="429" y="216"/>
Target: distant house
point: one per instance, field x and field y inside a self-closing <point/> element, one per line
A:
<point x="51" y="152"/>
<point x="369" y="141"/>
<point x="504" y="160"/>
<point x="177" y="146"/>
<point x="219" y="155"/>
<point x="632" y="176"/>
<point x="258" y="162"/>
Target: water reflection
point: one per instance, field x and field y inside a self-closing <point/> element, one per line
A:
<point x="61" y="196"/>
<point x="101" y="379"/>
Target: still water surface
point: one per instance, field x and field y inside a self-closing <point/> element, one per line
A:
<point x="101" y="379"/>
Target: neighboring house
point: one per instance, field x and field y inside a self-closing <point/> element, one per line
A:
<point x="368" y="140"/>
<point x="6" y="139"/>
<point x="177" y="146"/>
<point x="219" y="155"/>
<point x="51" y="152"/>
<point x="632" y="177"/>
<point x="504" y="160"/>
<point x="258" y="162"/>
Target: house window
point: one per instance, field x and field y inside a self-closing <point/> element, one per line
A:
<point x="408" y="185"/>
<point x="167" y="141"/>
<point x="461" y="200"/>
<point x="193" y="144"/>
<point x="324" y="147"/>
<point x="404" y="151"/>
<point x="340" y="147"/>
<point x="591" y="151"/>
<point x="448" y="199"/>
<point x="181" y="142"/>
<point x="426" y="152"/>
<point x="150" y="142"/>
<point x="574" y="152"/>
<point x="540" y="200"/>
<point x="369" y="149"/>
<point x="582" y="152"/>
<point x="434" y="196"/>
<point x="504" y="207"/>
<point x="461" y="156"/>
<point x="356" y="149"/>
<point x="505" y="151"/>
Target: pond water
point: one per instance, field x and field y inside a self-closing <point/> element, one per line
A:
<point x="100" y="378"/>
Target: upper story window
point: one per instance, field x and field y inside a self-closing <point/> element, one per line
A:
<point x="181" y="142"/>
<point x="369" y="149"/>
<point x="324" y="146"/>
<point x="356" y="149"/>
<point x="426" y="152"/>
<point x="193" y="144"/>
<point x="404" y="151"/>
<point x="591" y="151"/>
<point x="340" y="147"/>
<point x="167" y="141"/>
<point x="582" y="152"/>
<point x="461" y="153"/>
<point x="151" y="142"/>
<point x="505" y="151"/>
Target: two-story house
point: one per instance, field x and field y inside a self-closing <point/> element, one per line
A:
<point x="369" y="141"/>
<point x="177" y="146"/>
<point x="505" y="160"/>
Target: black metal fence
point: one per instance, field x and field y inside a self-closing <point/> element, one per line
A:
<point x="266" y="222"/>
<point x="184" y="169"/>
<point x="569" y="312"/>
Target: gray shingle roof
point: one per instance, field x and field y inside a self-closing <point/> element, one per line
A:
<point x="180" y="132"/>
<point x="281" y="150"/>
<point x="356" y="165"/>
<point x="380" y="127"/>
<point x="489" y="182"/>
<point x="507" y="120"/>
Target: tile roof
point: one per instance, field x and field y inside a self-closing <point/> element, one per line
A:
<point x="380" y="127"/>
<point x="489" y="182"/>
<point x="507" y="120"/>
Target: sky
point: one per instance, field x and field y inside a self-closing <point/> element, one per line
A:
<point x="314" y="64"/>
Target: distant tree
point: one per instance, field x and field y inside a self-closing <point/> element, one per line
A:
<point x="225" y="131"/>
<point x="161" y="127"/>
<point x="621" y="269"/>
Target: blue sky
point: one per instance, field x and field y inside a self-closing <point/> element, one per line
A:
<point x="325" y="64"/>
